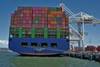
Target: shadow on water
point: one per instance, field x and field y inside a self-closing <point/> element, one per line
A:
<point x="41" y="55"/>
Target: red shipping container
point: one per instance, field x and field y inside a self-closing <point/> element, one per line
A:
<point x="98" y="48"/>
<point x="38" y="25"/>
<point x="52" y="26"/>
<point x="90" y="48"/>
<point x="28" y="25"/>
<point x="26" y="21"/>
<point x="44" y="22"/>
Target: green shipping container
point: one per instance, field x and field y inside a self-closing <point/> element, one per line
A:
<point x="20" y="32"/>
<point x="58" y="33"/>
<point x="45" y="32"/>
<point x="55" y="9"/>
<point x="33" y="33"/>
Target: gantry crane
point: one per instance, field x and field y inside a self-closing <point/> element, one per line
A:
<point x="80" y="19"/>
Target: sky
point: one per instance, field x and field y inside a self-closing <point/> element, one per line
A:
<point x="89" y="6"/>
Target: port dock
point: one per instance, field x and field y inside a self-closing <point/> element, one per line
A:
<point x="84" y="55"/>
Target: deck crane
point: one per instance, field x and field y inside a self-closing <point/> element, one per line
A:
<point x="81" y="19"/>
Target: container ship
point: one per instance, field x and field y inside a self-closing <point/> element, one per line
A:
<point x="39" y="31"/>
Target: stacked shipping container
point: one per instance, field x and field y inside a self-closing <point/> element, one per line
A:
<point x="98" y="48"/>
<point x="47" y="22"/>
<point x="39" y="30"/>
<point x="90" y="48"/>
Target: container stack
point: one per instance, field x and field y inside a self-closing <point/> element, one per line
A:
<point x="90" y="48"/>
<point x="21" y="23"/>
<point x="37" y="22"/>
<point x="57" y="22"/>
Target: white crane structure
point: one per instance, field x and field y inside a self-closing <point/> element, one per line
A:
<point x="80" y="19"/>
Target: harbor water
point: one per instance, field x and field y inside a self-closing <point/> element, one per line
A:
<point x="10" y="59"/>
